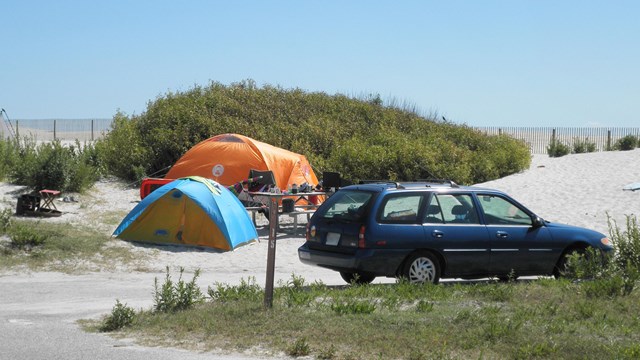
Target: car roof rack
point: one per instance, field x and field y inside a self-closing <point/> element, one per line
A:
<point x="396" y="183"/>
<point x="440" y="181"/>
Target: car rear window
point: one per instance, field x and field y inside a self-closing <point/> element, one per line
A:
<point x="346" y="204"/>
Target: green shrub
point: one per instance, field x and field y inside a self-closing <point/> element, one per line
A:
<point x="122" y="151"/>
<point x="614" y="275"/>
<point x="55" y="166"/>
<point x="587" y="264"/>
<point x="361" y="139"/>
<point x="8" y="157"/>
<point x="628" y="142"/>
<point x="557" y="149"/>
<point x="583" y="146"/>
<point x="293" y="292"/>
<point x="626" y="260"/>
<point x="172" y="297"/>
<point x="25" y="237"/>
<point x="247" y="290"/>
<point x="121" y="316"/>
<point x="5" y="220"/>
<point x="299" y="348"/>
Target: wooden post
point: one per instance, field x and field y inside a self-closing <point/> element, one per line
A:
<point x="54" y="129"/>
<point x="91" y="129"/>
<point x="271" y="251"/>
<point x="608" y="140"/>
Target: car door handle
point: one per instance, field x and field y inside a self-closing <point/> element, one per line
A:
<point x="502" y="234"/>
<point x="437" y="234"/>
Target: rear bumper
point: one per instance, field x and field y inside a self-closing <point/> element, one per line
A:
<point x="374" y="261"/>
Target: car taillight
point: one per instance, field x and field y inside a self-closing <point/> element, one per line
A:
<point x="361" y="242"/>
<point x="307" y="232"/>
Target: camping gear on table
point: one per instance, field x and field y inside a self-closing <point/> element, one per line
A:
<point x="190" y="211"/>
<point x="228" y="158"/>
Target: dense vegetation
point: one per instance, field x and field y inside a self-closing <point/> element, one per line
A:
<point x="49" y="165"/>
<point x="361" y="139"/>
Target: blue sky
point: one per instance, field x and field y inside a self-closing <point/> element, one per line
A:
<point x="482" y="63"/>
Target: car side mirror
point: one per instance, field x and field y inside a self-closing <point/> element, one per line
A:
<point x="537" y="221"/>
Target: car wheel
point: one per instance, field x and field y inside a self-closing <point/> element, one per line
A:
<point x="357" y="277"/>
<point x="561" y="266"/>
<point x="422" y="267"/>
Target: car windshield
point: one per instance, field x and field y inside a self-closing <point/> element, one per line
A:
<point x="347" y="205"/>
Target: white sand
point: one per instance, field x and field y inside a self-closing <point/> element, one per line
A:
<point x="575" y="189"/>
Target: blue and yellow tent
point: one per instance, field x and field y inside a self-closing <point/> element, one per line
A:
<point x="190" y="211"/>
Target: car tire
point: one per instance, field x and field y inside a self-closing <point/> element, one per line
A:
<point x="422" y="267"/>
<point x="357" y="277"/>
<point x="561" y="266"/>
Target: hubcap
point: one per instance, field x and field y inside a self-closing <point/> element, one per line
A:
<point x="422" y="270"/>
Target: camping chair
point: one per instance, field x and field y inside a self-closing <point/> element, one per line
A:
<point x="265" y="181"/>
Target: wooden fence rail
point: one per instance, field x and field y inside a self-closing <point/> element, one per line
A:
<point x="539" y="138"/>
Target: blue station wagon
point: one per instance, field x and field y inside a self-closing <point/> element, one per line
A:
<point x="427" y="231"/>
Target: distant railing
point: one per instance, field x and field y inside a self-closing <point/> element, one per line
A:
<point x="60" y="129"/>
<point x="539" y="138"/>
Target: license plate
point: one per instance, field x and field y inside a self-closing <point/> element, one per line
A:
<point x="332" y="239"/>
<point x="305" y="255"/>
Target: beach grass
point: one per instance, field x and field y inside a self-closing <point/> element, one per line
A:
<point x="544" y="318"/>
<point x="44" y="246"/>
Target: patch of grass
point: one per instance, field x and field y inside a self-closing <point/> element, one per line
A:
<point x="24" y="237"/>
<point x="538" y="319"/>
<point x="39" y="245"/>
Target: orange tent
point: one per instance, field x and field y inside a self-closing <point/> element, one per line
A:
<point x="227" y="159"/>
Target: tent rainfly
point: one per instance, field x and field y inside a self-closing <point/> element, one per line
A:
<point x="189" y="211"/>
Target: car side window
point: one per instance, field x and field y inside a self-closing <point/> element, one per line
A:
<point x="500" y="211"/>
<point x="451" y="209"/>
<point x="401" y="209"/>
